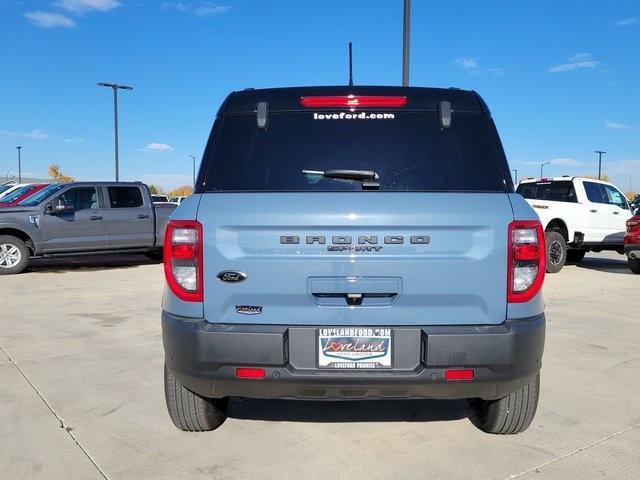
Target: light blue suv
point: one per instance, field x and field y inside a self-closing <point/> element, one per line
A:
<point x="354" y="243"/>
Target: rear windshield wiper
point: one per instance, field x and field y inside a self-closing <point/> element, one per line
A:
<point x="369" y="179"/>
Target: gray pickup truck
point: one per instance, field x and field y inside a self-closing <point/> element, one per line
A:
<point x="81" y="217"/>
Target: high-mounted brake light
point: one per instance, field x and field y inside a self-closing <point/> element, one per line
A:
<point x="526" y="260"/>
<point x="183" y="259"/>
<point x="353" y="101"/>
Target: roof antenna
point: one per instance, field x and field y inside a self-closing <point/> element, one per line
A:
<point x="350" y="65"/>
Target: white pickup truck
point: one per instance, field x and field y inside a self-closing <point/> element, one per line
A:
<point x="578" y="215"/>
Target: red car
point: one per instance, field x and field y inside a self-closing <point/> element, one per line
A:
<point x="20" y="194"/>
<point x="632" y="243"/>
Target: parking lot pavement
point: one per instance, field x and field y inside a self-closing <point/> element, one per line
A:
<point x="81" y="394"/>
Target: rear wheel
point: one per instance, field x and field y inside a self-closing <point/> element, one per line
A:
<point x="189" y="411"/>
<point x="634" y="264"/>
<point x="14" y="255"/>
<point x="575" y="256"/>
<point x="556" y="251"/>
<point x="509" y="415"/>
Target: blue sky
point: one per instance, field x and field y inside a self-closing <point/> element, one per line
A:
<point x="562" y="78"/>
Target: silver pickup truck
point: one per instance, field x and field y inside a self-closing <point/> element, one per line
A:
<point x="81" y="217"/>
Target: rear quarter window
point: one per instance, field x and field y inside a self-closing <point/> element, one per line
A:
<point x="125" y="197"/>
<point x="408" y="150"/>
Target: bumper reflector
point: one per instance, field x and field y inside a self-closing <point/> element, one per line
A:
<point x="458" y="374"/>
<point x="253" y="373"/>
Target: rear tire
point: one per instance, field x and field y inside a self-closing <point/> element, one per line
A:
<point x="575" y="256"/>
<point x="14" y="255"/>
<point x="556" y="251"/>
<point x="189" y="411"/>
<point x="509" y="415"/>
<point x="634" y="264"/>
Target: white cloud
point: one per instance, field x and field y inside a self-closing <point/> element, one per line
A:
<point x="73" y="140"/>
<point x="157" y="147"/>
<point x="627" y="22"/>
<point x="211" y="9"/>
<point x="617" y="125"/>
<point x="199" y="9"/>
<point x="82" y="6"/>
<point x="566" y="162"/>
<point x="466" y="63"/>
<point x="49" y="20"/>
<point x="579" y="61"/>
<point x="472" y="66"/>
<point x="33" y="134"/>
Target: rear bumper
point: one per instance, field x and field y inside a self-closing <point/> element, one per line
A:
<point x="204" y="356"/>
<point x="632" y="250"/>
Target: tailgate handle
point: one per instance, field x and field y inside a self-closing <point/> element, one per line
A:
<point x="354" y="299"/>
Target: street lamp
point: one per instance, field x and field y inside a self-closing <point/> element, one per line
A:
<point x="115" y="88"/>
<point x="542" y="167"/>
<point x="599" y="152"/>
<point x="19" y="165"/>
<point x="194" y="170"/>
<point x="406" y="36"/>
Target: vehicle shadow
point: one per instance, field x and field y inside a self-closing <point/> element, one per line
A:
<point x="88" y="262"/>
<point x="347" y="411"/>
<point x="604" y="264"/>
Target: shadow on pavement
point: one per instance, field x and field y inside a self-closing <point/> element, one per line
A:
<point x="87" y="262"/>
<point x="348" y="411"/>
<point x="604" y="264"/>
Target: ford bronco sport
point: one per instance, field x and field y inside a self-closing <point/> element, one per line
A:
<point x="354" y="243"/>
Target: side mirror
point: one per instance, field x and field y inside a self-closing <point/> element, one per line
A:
<point x="58" y="207"/>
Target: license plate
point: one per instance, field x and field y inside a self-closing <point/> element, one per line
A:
<point x="354" y="347"/>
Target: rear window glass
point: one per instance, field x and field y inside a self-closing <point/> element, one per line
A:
<point x="408" y="150"/>
<point x="125" y="197"/>
<point x="557" y="191"/>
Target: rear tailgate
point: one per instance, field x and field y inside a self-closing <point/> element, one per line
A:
<point x="454" y="272"/>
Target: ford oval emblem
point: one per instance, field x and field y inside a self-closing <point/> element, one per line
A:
<point x="232" y="277"/>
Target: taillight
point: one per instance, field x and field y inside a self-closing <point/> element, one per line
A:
<point x="526" y="260"/>
<point x="183" y="259"/>
<point x="353" y="101"/>
<point x="633" y="224"/>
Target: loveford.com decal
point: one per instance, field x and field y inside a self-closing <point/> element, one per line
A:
<point x="354" y="116"/>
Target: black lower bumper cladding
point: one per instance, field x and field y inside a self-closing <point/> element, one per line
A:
<point x="204" y="357"/>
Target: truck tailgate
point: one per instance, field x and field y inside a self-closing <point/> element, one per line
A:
<point x="366" y="258"/>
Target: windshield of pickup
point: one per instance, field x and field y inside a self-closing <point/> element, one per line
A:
<point x="42" y="195"/>
<point x="409" y="150"/>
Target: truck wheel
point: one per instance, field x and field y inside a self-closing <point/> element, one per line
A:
<point x="634" y="264"/>
<point x="14" y="255"/>
<point x="556" y="251"/>
<point x="191" y="412"/>
<point x="509" y="415"/>
<point x="575" y="256"/>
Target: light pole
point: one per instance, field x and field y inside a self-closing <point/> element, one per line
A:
<point x="19" y="165"/>
<point x="194" y="170"/>
<point x="515" y="172"/>
<point x="406" y="35"/>
<point x="542" y="167"/>
<point x="115" y="88"/>
<point x="599" y="152"/>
